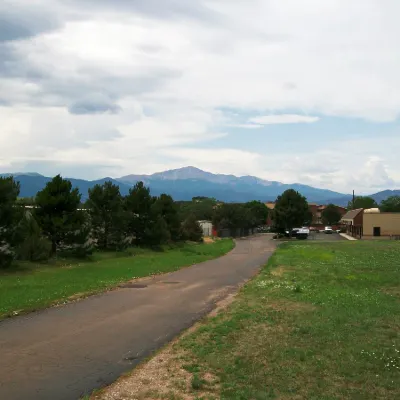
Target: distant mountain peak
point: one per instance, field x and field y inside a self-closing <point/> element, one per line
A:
<point x="188" y="182"/>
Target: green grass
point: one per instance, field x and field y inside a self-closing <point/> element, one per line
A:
<point x="322" y="321"/>
<point x="32" y="287"/>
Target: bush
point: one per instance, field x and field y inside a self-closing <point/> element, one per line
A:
<point x="79" y="243"/>
<point x="33" y="246"/>
<point x="6" y="253"/>
<point x="192" y="230"/>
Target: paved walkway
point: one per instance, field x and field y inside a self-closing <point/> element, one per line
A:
<point x="346" y="236"/>
<point x="63" y="353"/>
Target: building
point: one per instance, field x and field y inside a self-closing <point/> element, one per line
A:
<point x="207" y="227"/>
<point x="380" y="224"/>
<point x="371" y="223"/>
<point x="353" y="221"/>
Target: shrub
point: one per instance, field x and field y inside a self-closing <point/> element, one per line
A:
<point x="192" y="230"/>
<point x="33" y="246"/>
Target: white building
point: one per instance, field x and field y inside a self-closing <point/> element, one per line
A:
<point x="207" y="227"/>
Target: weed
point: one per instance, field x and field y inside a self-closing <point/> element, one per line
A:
<point x="197" y="383"/>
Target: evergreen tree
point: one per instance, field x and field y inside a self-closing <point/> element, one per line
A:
<point x="157" y="232"/>
<point x="80" y="242"/>
<point x="138" y="205"/>
<point x="9" y="190"/>
<point x="168" y="210"/>
<point x="107" y="216"/>
<point x="57" y="209"/>
<point x="33" y="245"/>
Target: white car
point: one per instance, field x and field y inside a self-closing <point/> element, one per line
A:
<point x="328" y="229"/>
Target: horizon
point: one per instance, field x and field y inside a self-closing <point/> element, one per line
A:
<point x="119" y="179"/>
<point x="266" y="89"/>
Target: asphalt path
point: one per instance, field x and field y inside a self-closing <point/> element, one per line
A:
<point x="66" y="352"/>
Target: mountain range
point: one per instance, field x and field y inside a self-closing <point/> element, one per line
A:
<point x="188" y="182"/>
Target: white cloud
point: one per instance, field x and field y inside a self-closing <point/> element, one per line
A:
<point x="283" y="119"/>
<point x="158" y="82"/>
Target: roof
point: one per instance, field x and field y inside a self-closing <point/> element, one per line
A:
<point x="270" y="205"/>
<point x="352" y="214"/>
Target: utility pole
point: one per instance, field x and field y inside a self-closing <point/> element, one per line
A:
<point x="354" y="200"/>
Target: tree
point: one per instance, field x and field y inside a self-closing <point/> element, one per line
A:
<point x="331" y="215"/>
<point x="291" y="210"/>
<point x="57" y="209"/>
<point x="201" y="207"/>
<point x="107" y="215"/>
<point x="156" y="232"/>
<point x="79" y="242"/>
<point x="362" y="202"/>
<point x="33" y="245"/>
<point x="167" y="209"/>
<point x="258" y="211"/>
<point x="191" y="229"/>
<point x="235" y="217"/>
<point x="138" y="205"/>
<point x="391" y="204"/>
<point x="9" y="190"/>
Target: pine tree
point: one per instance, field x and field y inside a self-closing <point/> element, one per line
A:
<point x="33" y="245"/>
<point x="9" y="190"/>
<point x="57" y="209"/>
<point x="138" y="206"/>
<point x="108" y="217"/>
<point x="79" y="242"/>
<point x="166" y="207"/>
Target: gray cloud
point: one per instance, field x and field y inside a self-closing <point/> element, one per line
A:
<point x="94" y="104"/>
<point x="18" y="23"/>
<point x="164" y="9"/>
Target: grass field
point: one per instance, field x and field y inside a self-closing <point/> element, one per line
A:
<point x="33" y="287"/>
<point x="321" y="322"/>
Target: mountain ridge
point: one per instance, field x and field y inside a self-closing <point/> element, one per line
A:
<point x="188" y="182"/>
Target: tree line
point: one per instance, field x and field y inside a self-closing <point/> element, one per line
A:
<point x="391" y="204"/>
<point x="59" y="223"/>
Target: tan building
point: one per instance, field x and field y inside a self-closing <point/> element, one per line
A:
<point x="380" y="224"/>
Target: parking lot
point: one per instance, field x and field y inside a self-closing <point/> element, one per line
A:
<point x="327" y="237"/>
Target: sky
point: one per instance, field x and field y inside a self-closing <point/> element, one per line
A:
<point x="301" y="91"/>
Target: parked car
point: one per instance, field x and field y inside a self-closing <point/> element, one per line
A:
<point x="328" y="229"/>
<point x="299" y="233"/>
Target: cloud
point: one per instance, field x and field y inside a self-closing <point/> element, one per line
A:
<point x="142" y="84"/>
<point x="94" y="104"/>
<point x="283" y="119"/>
<point x="167" y="9"/>
<point x="21" y="20"/>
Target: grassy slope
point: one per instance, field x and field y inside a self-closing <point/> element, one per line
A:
<point x="322" y="321"/>
<point x="40" y="286"/>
